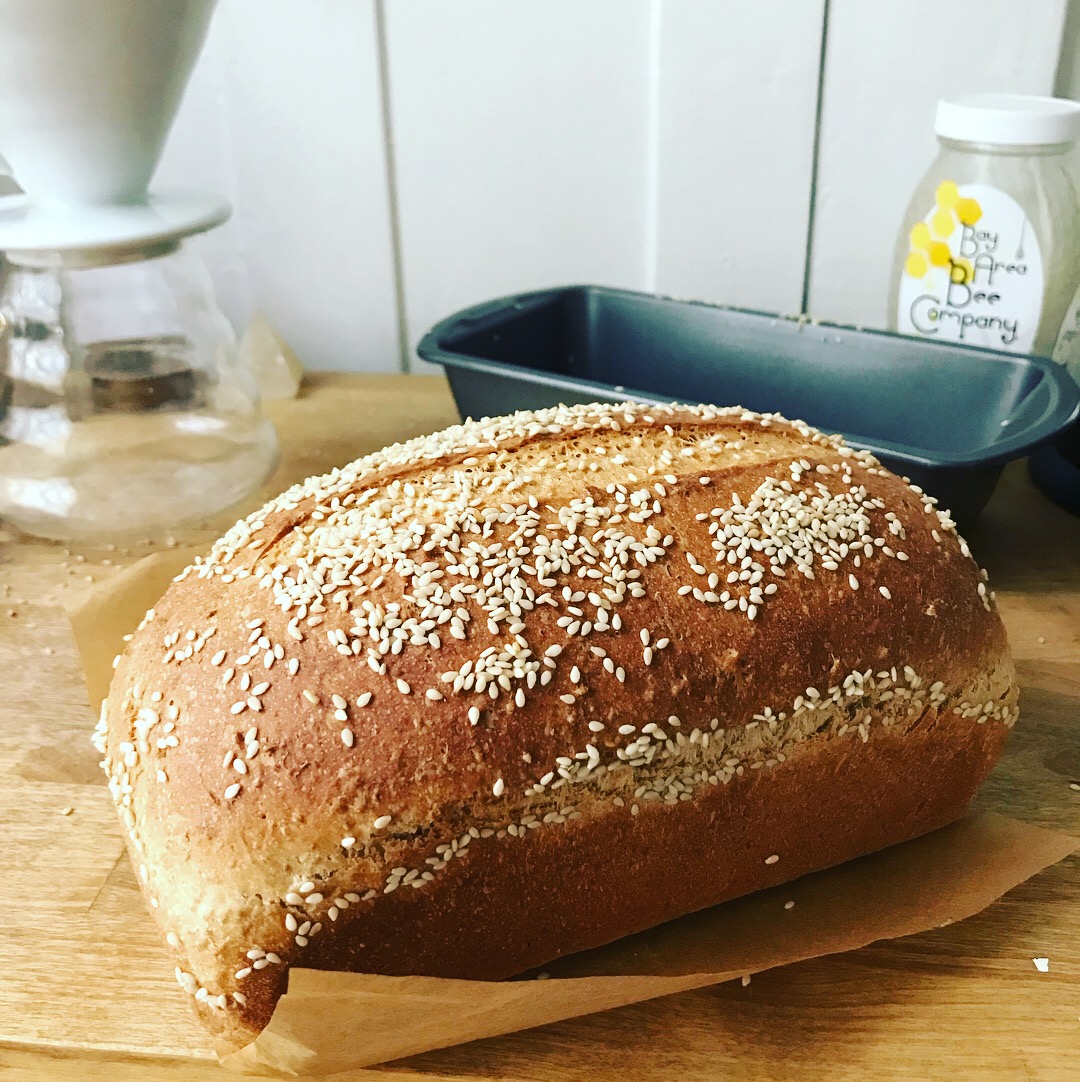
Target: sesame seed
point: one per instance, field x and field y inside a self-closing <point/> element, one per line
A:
<point x="382" y="822"/>
<point x="310" y="696"/>
<point x="884" y="591"/>
<point x="232" y="790"/>
<point x="459" y="570"/>
<point x="789" y="905"/>
<point x="403" y="687"/>
<point x="347" y="737"/>
<point x="498" y="787"/>
<point x="853" y="582"/>
<point x="773" y="859"/>
<point x="596" y="726"/>
<point x="348" y="842"/>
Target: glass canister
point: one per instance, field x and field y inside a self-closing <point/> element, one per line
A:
<point x="124" y="409"/>
<point x="987" y="253"/>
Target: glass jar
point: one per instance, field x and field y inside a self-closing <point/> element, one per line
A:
<point x="987" y="253"/>
<point x="124" y="409"/>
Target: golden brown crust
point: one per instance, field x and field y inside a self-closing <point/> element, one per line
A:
<point x="649" y="868"/>
<point x="880" y="663"/>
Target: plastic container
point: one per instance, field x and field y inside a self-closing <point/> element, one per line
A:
<point x="986" y="254"/>
<point x="946" y="416"/>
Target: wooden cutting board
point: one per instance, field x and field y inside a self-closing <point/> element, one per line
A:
<point x="87" y="991"/>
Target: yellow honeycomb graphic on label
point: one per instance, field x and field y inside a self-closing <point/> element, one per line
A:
<point x="968" y="211"/>
<point x="928" y="248"/>
<point x="916" y="264"/>
<point x="943" y="223"/>
<point x="940" y="256"/>
<point x="947" y="194"/>
<point x="961" y="272"/>
<point x="920" y="235"/>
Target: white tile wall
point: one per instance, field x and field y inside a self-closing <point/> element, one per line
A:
<point x="284" y="113"/>
<point x="737" y="97"/>
<point x="520" y="138"/>
<point x="657" y="144"/>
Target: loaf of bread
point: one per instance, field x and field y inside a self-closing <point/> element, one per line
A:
<point x="531" y="684"/>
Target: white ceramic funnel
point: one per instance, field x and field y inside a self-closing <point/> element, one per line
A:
<point x="88" y="91"/>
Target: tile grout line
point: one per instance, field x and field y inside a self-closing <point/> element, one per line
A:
<point x="396" y="253"/>
<point x="804" y="306"/>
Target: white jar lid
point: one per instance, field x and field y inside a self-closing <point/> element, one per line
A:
<point x="1008" y="119"/>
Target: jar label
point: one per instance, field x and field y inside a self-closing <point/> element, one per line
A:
<point x="973" y="271"/>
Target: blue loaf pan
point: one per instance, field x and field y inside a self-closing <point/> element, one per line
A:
<point x="948" y="417"/>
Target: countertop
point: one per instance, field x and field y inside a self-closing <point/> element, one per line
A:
<point x="87" y="991"/>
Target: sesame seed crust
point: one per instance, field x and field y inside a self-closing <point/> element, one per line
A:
<point x="483" y="643"/>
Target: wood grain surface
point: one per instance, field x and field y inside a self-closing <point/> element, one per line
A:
<point x="86" y="988"/>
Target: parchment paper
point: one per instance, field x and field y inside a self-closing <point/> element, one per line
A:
<point x="330" y="1022"/>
